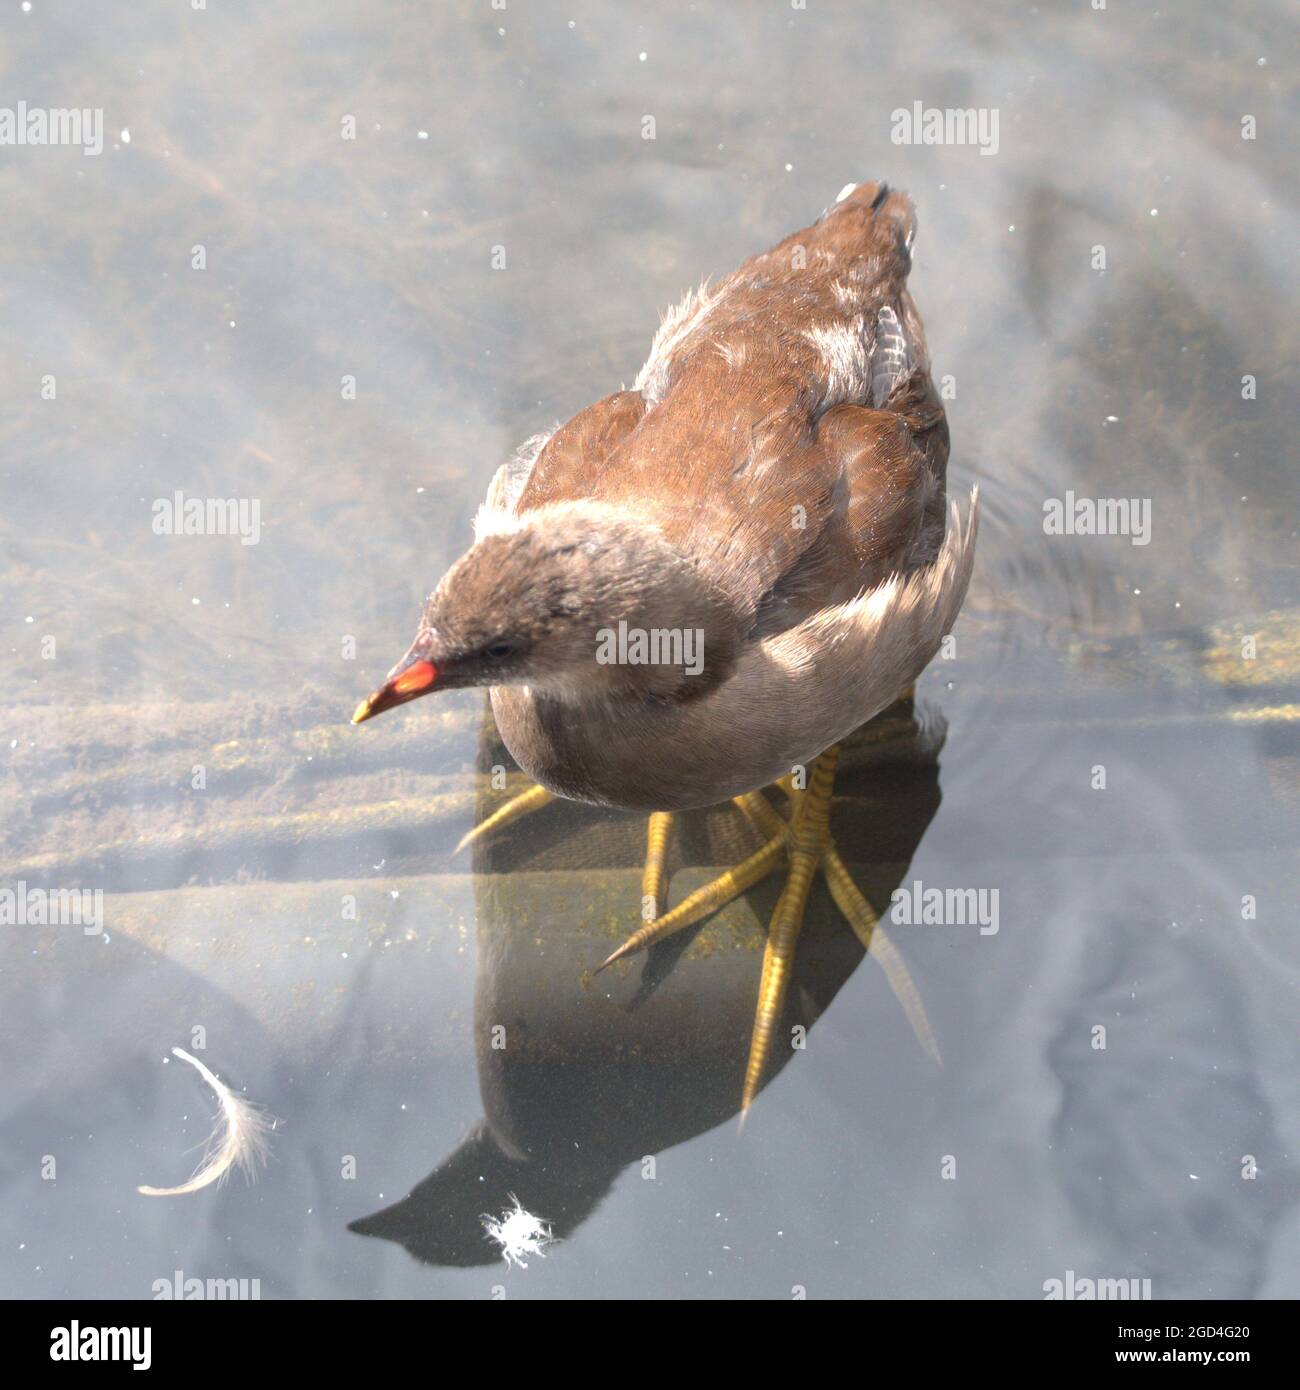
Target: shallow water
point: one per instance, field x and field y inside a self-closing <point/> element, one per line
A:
<point x="864" y="1170"/>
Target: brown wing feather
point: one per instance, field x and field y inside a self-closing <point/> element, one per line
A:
<point x="578" y="452"/>
<point x="882" y="493"/>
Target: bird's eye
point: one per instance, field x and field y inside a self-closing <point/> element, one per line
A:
<point x="499" y="650"/>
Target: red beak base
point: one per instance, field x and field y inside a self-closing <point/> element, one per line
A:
<point x="410" y="683"/>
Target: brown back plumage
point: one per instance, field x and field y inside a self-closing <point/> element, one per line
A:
<point x="784" y="433"/>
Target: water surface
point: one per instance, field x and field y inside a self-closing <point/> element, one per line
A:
<point x="489" y="254"/>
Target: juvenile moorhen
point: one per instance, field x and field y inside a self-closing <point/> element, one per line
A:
<point x="696" y="587"/>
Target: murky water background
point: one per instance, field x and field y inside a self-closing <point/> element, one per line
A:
<point x="1162" y="908"/>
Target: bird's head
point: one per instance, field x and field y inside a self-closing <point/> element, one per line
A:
<point x="575" y="601"/>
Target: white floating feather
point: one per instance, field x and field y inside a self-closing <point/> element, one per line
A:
<point x="238" y="1139"/>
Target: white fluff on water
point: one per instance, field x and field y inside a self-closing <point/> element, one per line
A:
<point x="518" y="1233"/>
<point x="238" y="1139"/>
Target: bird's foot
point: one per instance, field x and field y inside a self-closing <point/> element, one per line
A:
<point x="807" y="840"/>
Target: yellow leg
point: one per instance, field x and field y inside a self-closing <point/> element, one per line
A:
<point x="808" y="837"/>
<point x="654" y="881"/>
<point x="703" y="901"/>
<point x="759" y="810"/>
<point x="514" y="809"/>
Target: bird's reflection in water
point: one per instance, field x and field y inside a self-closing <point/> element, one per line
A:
<point x="581" y="1075"/>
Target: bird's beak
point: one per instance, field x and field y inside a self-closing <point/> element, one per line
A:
<point x="413" y="676"/>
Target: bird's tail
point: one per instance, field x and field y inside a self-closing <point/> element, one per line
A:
<point x="884" y="216"/>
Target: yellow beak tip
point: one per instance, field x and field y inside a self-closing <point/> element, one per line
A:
<point x="361" y="713"/>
